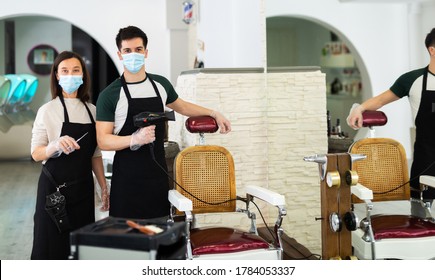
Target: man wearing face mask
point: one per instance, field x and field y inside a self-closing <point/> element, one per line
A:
<point x="139" y="188"/>
<point x="64" y="139"/>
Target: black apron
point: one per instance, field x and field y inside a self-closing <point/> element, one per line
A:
<point x="139" y="187"/>
<point x="74" y="169"/>
<point x="424" y="146"/>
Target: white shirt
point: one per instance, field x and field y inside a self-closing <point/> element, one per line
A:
<point x="50" y="117"/>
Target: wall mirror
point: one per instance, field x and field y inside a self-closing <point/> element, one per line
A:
<point x="40" y="59"/>
<point x="295" y="41"/>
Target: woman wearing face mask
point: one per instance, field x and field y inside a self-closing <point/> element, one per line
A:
<point x="64" y="139"/>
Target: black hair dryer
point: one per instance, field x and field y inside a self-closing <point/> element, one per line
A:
<point x="149" y="118"/>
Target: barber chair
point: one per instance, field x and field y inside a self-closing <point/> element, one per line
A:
<point x="23" y="112"/>
<point x="390" y="233"/>
<point x="5" y="88"/>
<point x="205" y="183"/>
<point x="31" y="88"/>
<point x="16" y="94"/>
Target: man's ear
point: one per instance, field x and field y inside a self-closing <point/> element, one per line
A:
<point x="146" y="53"/>
<point x="119" y="55"/>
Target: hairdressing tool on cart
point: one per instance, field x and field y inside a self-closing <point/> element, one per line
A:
<point x="147" y="229"/>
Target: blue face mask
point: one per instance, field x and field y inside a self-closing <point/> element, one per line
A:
<point x="133" y="61"/>
<point x="70" y="83"/>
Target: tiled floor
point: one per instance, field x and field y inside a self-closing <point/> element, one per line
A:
<point x="18" y="184"/>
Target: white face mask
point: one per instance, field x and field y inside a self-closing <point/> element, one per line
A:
<point x="70" y="83"/>
<point x="133" y="61"/>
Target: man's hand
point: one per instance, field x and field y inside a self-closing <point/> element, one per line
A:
<point x="142" y="136"/>
<point x="355" y="118"/>
<point x="222" y="122"/>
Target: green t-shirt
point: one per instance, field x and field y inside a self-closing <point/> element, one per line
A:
<point x="410" y="84"/>
<point x="112" y="103"/>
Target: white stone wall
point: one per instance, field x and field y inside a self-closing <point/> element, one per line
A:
<point x="277" y="119"/>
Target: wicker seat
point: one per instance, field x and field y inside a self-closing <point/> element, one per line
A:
<point x="206" y="183"/>
<point x="384" y="169"/>
<point x="207" y="172"/>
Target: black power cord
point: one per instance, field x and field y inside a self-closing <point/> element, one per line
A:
<point x="319" y="257"/>
<point x="409" y="181"/>
<point x="151" y="146"/>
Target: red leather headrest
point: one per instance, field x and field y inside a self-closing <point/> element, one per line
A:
<point x="204" y="124"/>
<point x="374" y="118"/>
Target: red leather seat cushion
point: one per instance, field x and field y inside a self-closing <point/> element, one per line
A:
<point x="204" y="124"/>
<point x="223" y="240"/>
<point x="374" y="118"/>
<point x="401" y="226"/>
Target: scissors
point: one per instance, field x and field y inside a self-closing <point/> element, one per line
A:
<point x="58" y="153"/>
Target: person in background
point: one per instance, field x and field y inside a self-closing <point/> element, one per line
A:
<point x="419" y="86"/>
<point x="64" y="139"/>
<point x="139" y="187"/>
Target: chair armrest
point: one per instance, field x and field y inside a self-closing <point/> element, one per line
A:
<point x="266" y="195"/>
<point x="179" y="201"/>
<point x="427" y="180"/>
<point x="362" y="192"/>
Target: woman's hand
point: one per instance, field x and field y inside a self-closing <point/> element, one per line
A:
<point x="105" y="200"/>
<point x="64" y="144"/>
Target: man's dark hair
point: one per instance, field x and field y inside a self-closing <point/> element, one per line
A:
<point x="430" y="39"/>
<point x="130" y="32"/>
